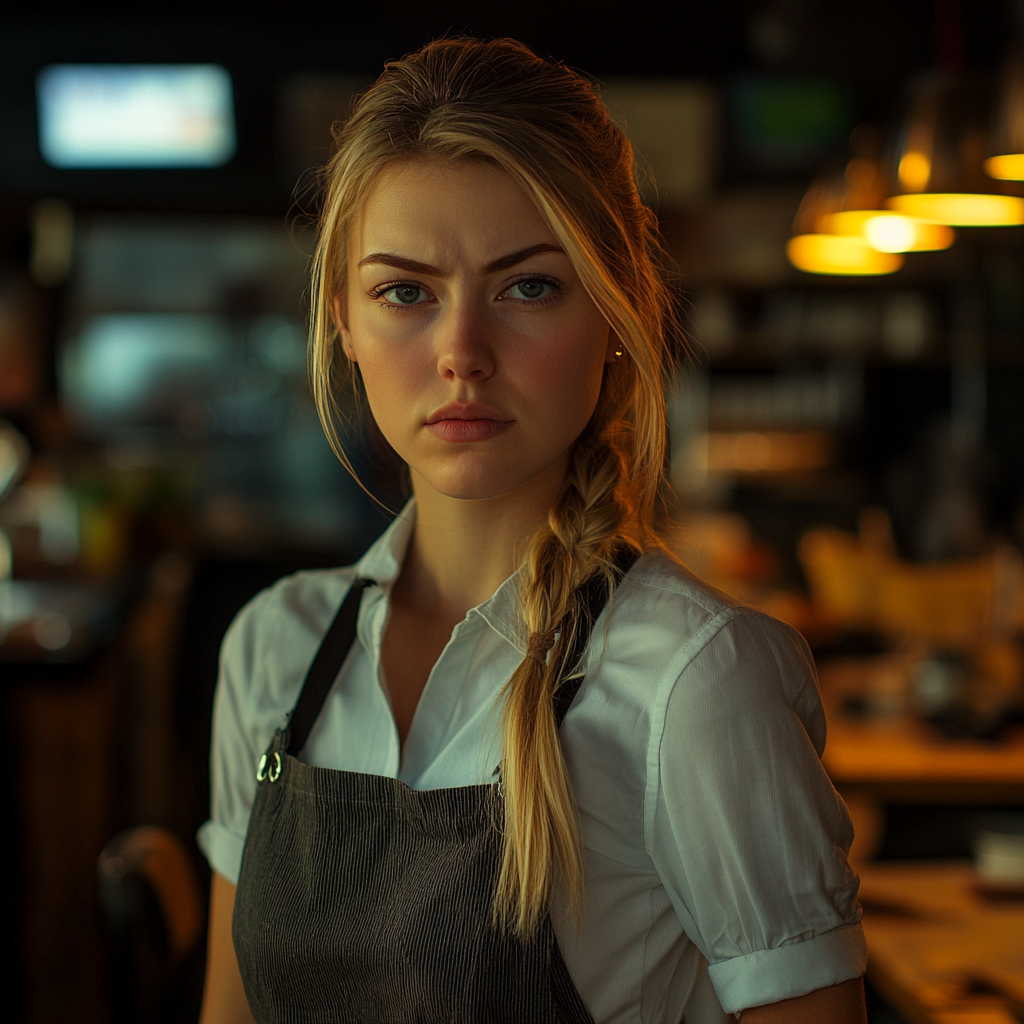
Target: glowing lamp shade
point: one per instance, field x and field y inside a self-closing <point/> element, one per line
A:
<point x="1008" y="129"/>
<point x="847" y="222"/>
<point x="896" y="233"/>
<point x="1007" y="167"/>
<point x="939" y="156"/>
<point x="914" y="170"/>
<point x="891" y="232"/>
<point x="847" y="255"/>
<point x="961" y="209"/>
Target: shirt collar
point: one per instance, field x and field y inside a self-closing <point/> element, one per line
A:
<point x="383" y="562"/>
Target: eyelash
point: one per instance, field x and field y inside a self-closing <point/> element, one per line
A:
<point x="381" y="290"/>
<point x="556" y="286"/>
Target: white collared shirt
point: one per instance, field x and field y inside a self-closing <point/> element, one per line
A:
<point x="713" y="842"/>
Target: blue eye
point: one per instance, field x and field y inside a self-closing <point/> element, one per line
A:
<point x="532" y="289"/>
<point x="404" y="294"/>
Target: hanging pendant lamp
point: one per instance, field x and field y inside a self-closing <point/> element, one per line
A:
<point x="841" y="227"/>
<point x="816" y="248"/>
<point x="891" y="232"/>
<point x="1008" y="130"/>
<point x="938" y="161"/>
<point x="843" y="255"/>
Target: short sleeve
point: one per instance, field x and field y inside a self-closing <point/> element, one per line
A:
<point x="236" y="743"/>
<point x="748" y="834"/>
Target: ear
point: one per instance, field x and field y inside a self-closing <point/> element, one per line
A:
<point x="340" y="323"/>
<point x="615" y="347"/>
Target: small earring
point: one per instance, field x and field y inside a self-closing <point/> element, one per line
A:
<point x="618" y="353"/>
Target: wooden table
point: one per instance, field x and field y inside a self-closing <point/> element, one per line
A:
<point x="937" y="950"/>
<point x="909" y="761"/>
<point x="899" y="759"/>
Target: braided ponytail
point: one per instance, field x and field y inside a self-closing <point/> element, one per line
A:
<point x="578" y="541"/>
<point x="545" y="126"/>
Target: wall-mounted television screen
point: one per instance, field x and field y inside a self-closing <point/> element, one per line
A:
<point x="135" y="115"/>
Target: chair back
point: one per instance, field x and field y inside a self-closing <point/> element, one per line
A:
<point x="152" y="909"/>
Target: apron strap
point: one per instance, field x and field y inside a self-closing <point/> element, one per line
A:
<point x="329" y="658"/>
<point x="594" y="597"/>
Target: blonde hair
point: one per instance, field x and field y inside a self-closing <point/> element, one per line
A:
<point x="545" y="126"/>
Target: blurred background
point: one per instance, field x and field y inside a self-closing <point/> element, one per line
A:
<point x="840" y="185"/>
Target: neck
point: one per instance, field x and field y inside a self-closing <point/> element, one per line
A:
<point x="462" y="550"/>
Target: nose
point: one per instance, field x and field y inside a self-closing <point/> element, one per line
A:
<point x="464" y="349"/>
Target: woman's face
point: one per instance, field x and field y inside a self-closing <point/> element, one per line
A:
<point x="480" y="350"/>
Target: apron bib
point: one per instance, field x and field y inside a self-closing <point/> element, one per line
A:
<point x="361" y="900"/>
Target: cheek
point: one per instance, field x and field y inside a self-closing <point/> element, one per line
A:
<point x="385" y="364"/>
<point x="565" y="380"/>
<point x="388" y="388"/>
<point x="578" y="363"/>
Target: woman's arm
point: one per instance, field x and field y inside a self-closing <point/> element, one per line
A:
<point x="224" y="999"/>
<point x="837" y="1004"/>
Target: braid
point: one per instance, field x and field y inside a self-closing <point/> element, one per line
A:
<point x="581" y="534"/>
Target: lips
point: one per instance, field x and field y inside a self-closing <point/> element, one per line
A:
<point x="468" y="421"/>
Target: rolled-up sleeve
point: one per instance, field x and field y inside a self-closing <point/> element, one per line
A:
<point x="236" y="744"/>
<point x="747" y="833"/>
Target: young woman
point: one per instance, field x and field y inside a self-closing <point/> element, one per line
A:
<point x="516" y="764"/>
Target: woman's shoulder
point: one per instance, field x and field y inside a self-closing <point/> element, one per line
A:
<point x="660" y="588"/>
<point x="695" y="630"/>
<point x="284" y="623"/>
<point x="306" y="596"/>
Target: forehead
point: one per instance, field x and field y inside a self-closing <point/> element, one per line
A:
<point x="444" y="210"/>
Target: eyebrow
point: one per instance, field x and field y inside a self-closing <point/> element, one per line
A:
<point x="390" y="259"/>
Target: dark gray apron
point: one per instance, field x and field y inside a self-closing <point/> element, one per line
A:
<point x="361" y="900"/>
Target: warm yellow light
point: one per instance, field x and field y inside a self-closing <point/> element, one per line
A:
<point x="890" y="232"/>
<point x="848" y="222"/>
<point x="771" y="451"/>
<point x="915" y="169"/>
<point x="1008" y="167"/>
<point x="839" y="254"/>
<point x="893" y="232"/>
<point x="961" y="209"/>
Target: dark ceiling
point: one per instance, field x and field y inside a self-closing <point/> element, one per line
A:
<point x="871" y="48"/>
<point x="873" y="44"/>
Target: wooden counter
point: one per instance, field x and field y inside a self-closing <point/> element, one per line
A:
<point x="897" y="758"/>
<point x="907" y="760"/>
<point x="937" y="950"/>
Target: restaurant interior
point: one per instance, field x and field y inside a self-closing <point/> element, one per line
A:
<point x="841" y="187"/>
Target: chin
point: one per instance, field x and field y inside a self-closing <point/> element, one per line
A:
<point x="467" y="488"/>
<point x="471" y="481"/>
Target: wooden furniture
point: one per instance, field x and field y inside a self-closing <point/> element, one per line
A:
<point x="899" y="759"/>
<point x="907" y="760"/>
<point x="93" y="750"/>
<point x="859" y="582"/>
<point x="154" y="912"/>
<point x="938" y="951"/>
<point x="62" y="744"/>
